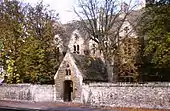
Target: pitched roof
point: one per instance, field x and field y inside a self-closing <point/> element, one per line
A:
<point x="93" y="69"/>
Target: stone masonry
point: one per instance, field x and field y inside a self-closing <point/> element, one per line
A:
<point x="148" y="95"/>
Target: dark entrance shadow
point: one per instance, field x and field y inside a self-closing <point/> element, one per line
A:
<point x="68" y="89"/>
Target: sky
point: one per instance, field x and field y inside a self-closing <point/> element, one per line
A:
<point x="63" y="7"/>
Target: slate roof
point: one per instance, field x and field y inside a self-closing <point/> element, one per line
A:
<point x="93" y="69"/>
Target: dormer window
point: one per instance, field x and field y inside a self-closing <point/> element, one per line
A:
<point x="68" y="71"/>
<point x="76" y="49"/>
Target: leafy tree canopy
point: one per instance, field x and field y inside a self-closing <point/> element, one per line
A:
<point x="157" y="30"/>
<point x="28" y="53"/>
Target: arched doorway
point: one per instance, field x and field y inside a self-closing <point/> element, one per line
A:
<point x="68" y="89"/>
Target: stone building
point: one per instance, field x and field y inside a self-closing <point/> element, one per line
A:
<point x="83" y="63"/>
<point x="75" y="70"/>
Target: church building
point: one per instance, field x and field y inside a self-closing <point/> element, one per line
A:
<point x="83" y="63"/>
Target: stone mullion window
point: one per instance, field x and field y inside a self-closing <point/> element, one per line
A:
<point x="76" y="49"/>
<point x="68" y="72"/>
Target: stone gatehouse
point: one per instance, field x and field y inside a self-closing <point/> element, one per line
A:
<point x="73" y="72"/>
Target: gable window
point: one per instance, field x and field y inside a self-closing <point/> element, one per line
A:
<point x="68" y="71"/>
<point x="76" y="49"/>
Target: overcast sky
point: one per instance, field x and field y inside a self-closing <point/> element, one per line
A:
<point x="63" y="7"/>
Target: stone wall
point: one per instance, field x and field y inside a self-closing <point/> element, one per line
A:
<point x="149" y="95"/>
<point x="27" y="92"/>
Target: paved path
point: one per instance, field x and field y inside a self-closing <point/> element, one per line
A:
<point x="44" y="106"/>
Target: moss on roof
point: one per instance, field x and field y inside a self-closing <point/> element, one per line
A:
<point x="93" y="69"/>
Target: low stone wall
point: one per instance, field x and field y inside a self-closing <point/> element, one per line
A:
<point x="27" y="92"/>
<point x="151" y="95"/>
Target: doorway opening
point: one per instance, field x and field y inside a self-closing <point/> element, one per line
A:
<point x="68" y="89"/>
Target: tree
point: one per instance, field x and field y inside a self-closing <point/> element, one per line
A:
<point x="41" y="28"/>
<point x="11" y="36"/>
<point x="103" y="20"/>
<point x="155" y="29"/>
<point x="28" y="42"/>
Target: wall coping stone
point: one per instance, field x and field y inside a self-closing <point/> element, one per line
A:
<point x="4" y="84"/>
<point x="120" y="84"/>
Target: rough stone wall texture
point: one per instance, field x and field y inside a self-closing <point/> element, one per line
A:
<point x="15" y="92"/>
<point x="27" y="92"/>
<point x="42" y="92"/>
<point x="128" y="95"/>
<point x="149" y="95"/>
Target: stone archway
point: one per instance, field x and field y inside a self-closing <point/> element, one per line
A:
<point x="68" y="90"/>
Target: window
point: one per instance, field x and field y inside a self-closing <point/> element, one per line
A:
<point x="126" y="29"/>
<point x="68" y="71"/>
<point x="76" y="49"/>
